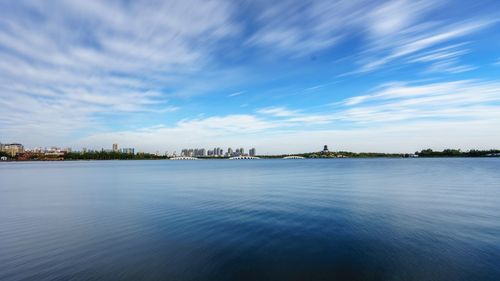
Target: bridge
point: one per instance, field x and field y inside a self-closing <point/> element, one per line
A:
<point x="243" y="158"/>
<point x="293" y="157"/>
<point x="184" y="158"/>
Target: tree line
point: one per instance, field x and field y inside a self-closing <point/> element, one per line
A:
<point x="458" y="153"/>
<point x="109" y="155"/>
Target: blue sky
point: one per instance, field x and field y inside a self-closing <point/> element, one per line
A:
<point x="281" y="76"/>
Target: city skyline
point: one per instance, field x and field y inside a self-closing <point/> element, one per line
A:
<point x="217" y="152"/>
<point x="15" y="148"/>
<point x="285" y="77"/>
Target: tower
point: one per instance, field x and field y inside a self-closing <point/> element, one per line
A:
<point x="325" y="149"/>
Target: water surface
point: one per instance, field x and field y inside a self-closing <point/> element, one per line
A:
<point x="324" y="219"/>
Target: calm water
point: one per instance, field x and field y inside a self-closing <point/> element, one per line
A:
<point x="345" y="219"/>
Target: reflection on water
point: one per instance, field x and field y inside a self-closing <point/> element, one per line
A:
<point x="342" y="219"/>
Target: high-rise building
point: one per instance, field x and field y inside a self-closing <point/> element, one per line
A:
<point x="115" y="147"/>
<point x="215" y="152"/>
<point x="251" y="152"/>
<point x="128" y="150"/>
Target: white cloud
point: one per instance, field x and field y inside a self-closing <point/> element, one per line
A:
<point x="389" y="30"/>
<point x="445" y="53"/>
<point x="78" y="60"/>
<point x="439" y="134"/>
<point x="80" y="64"/>
<point x="415" y="40"/>
<point x="277" y="112"/>
<point x="235" y="94"/>
<point x="226" y="124"/>
<point x="300" y="28"/>
<point x="397" y="117"/>
<point x="457" y="100"/>
<point x="395" y="16"/>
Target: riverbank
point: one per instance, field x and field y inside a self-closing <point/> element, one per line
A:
<point x="103" y="155"/>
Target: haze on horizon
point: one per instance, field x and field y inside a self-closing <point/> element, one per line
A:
<point x="281" y="76"/>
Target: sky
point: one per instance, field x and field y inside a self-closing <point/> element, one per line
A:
<point x="280" y="76"/>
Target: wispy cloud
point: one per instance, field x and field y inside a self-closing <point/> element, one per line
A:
<point x="94" y="70"/>
<point x="457" y="100"/>
<point x="418" y="39"/>
<point x="445" y="53"/>
<point x="235" y="94"/>
<point x="313" y="88"/>
<point x="80" y="59"/>
<point x="390" y="30"/>
<point x="398" y="117"/>
<point x="300" y="28"/>
<point x="277" y="112"/>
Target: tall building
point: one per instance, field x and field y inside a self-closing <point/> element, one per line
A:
<point x="115" y="147"/>
<point x="251" y="152"/>
<point x="128" y="150"/>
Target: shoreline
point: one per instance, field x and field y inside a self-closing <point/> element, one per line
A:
<point x="261" y="158"/>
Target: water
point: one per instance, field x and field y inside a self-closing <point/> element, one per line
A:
<point x="344" y="219"/>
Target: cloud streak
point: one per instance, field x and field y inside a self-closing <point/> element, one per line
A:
<point x="76" y="61"/>
<point x="405" y="109"/>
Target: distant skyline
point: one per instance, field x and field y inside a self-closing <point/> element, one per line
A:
<point x="281" y="76"/>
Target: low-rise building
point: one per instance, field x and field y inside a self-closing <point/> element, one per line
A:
<point x="12" y="149"/>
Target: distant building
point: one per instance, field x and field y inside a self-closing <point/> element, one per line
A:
<point x="12" y="149"/>
<point x="251" y="152"/>
<point x="115" y="147"/>
<point x="325" y="149"/>
<point x="215" y="152"/>
<point x="128" y="150"/>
